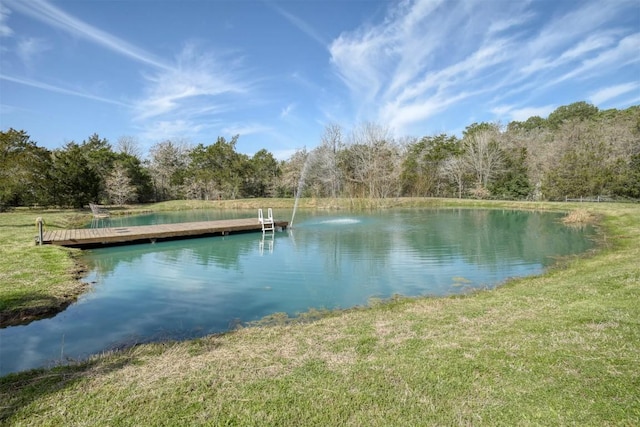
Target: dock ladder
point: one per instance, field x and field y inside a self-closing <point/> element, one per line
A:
<point x="267" y="223"/>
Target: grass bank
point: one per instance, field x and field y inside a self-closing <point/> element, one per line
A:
<point x="36" y="281"/>
<point x="556" y="349"/>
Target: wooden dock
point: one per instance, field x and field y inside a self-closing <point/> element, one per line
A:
<point x="110" y="236"/>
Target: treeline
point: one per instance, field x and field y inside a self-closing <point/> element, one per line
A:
<point x="93" y="171"/>
<point x="578" y="151"/>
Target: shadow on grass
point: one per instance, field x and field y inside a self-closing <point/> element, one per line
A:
<point x="21" y="389"/>
<point x="18" y="390"/>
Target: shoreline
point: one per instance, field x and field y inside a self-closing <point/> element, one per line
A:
<point x="56" y="304"/>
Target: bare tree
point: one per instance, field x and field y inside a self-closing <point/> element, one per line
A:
<point x="119" y="187"/>
<point x="373" y="162"/>
<point x="540" y="151"/>
<point x="585" y="166"/>
<point x="129" y="145"/>
<point x="455" y="169"/>
<point x="325" y="157"/>
<point x="289" y="179"/>
<point x="167" y="158"/>
<point x="483" y="156"/>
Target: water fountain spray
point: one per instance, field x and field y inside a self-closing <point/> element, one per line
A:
<point x="300" y="187"/>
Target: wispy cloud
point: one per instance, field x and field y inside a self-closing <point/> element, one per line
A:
<point x="593" y="43"/>
<point x="175" y="93"/>
<point x="284" y="154"/>
<point x="244" y="129"/>
<point x="625" y="52"/>
<point x="28" y="49"/>
<point x="51" y="15"/>
<point x="300" y="24"/>
<point x="62" y="90"/>
<point x="196" y="79"/>
<point x="408" y="69"/>
<point x="5" y="30"/>
<point x="611" y="92"/>
<point x="287" y="110"/>
<point x="510" y="113"/>
<point x="188" y="100"/>
<point x="160" y="130"/>
<point x="510" y="23"/>
<point x="430" y="57"/>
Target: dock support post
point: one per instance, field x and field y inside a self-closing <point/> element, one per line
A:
<point x="40" y="224"/>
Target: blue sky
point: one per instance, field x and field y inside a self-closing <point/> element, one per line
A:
<point x="277" y="72"/>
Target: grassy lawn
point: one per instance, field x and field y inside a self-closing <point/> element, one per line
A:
<point x="36" y="281"/>
<point x="562" y="348"/>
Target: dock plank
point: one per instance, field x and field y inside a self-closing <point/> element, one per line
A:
<point x="92" y="237"/>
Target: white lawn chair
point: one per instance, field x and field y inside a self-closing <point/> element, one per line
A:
<point x="100" y="215"/>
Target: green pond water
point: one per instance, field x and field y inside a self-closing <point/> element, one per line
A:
<point x="190" y="288"/>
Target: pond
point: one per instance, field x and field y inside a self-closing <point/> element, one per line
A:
<point x="190" y="288"/>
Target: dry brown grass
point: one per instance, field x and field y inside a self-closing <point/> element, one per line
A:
<point x="579" y="217"/>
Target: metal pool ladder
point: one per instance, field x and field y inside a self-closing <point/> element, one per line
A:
<point x="267" y="223"/>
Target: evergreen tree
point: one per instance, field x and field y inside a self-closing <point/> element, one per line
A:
<point x="24" y="170"/>
<point x="75" y="182"/>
